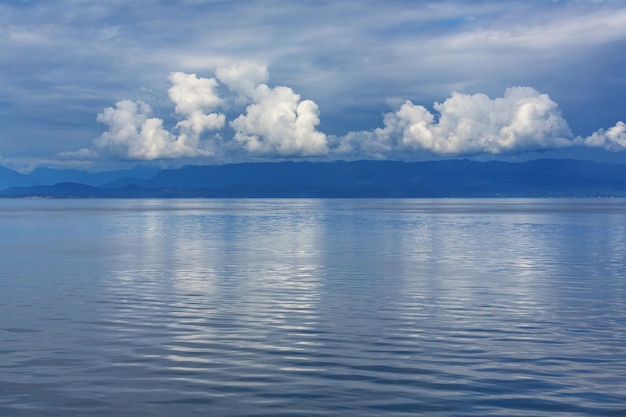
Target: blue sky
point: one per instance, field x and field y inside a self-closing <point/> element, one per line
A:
<point x="97" y="84"/>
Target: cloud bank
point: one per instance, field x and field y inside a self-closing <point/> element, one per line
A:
<point x="275" y="122"/>
<point x="346" y="57"/>
<point x="522" y="120"/>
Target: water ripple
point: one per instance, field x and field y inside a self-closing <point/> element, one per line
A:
<point x="314" y="308"/>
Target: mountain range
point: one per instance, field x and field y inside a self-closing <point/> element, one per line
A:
<point x="448" y="178"/>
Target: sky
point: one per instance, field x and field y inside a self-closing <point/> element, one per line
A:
<point x="99" y="85"/>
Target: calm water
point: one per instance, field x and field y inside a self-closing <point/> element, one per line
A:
<point x="312" y="307"/>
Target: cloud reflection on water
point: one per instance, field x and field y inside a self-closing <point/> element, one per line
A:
<point x="372" y="303"/>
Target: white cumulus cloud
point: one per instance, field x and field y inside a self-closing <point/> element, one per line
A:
<point x="276" y="122"/>
<point x="612" y="139"/>
<point x="244" y="79"/>
<point x="191" y="94"/>
<point x="133" y="134"/>
<point x="523" y="119"/>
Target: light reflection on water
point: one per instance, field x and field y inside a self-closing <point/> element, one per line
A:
<point x="312" y="307"/>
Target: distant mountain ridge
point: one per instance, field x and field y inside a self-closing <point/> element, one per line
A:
<point x="448" y="178"/>
<point x="10" y="178"/>
<point x="51" y="176"/>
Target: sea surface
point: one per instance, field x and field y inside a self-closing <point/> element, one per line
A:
<point x="444" y="307"/>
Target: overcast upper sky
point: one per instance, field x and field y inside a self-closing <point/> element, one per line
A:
<point x="94" y="83"/>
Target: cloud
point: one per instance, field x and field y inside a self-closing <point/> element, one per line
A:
<point x="194" y="98"/>
<point x="523" y="119"/>
<point x="244" y="79"/>
<point x="347" y="57"/>
<point x="275" y="122"/>
<point x="133" y="134"/>
<point x="82" y="154"/>
<point x="24" y="37"/>
<point x="192" y="94"/>
<point x="280" y="123"/>
<point x="612" y="139"/>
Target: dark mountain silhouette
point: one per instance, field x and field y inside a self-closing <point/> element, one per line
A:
<point x="450" y="178"/>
